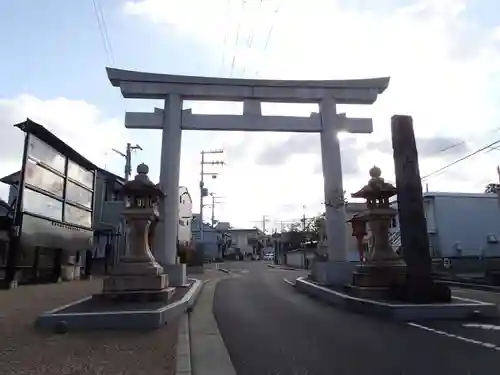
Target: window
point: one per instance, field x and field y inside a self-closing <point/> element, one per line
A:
<point x="40" y="204"/>
<point x="42" y="178"/>
<point x="42" y="152"/>
<point x="77" y="194"/>
<point x="394" y="223"/>
<point x="78" y="216"/>
<point x="81" y="175"/>
<point x="181" y="223"/>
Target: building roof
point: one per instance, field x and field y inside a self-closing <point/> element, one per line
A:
<point x="29" y="126"/>
<point x="243" y="230"/>
<point x="459" y="195"/>
<point x="11" y="179"/>
<point x="112" y="176"/>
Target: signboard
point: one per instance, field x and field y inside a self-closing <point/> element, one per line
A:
<point x="447" y="263"/>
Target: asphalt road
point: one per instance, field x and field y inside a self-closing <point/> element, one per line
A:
<point x="269" y="328"/>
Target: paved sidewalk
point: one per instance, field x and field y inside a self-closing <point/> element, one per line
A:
<point x="26" y="351"/>
<point x="208" y="352"/>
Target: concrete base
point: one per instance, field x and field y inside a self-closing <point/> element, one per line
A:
<point x="177" y="274"/>
<point x="138" y="295"/>
<point x="119" y="317"/>
<point x="459" y="308"/>
<point x="333" y="273"/>
<point x="376" y="293"/>
<point x="127" y="283"/>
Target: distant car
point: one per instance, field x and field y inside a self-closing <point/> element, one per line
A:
<point x="269" y="256"/>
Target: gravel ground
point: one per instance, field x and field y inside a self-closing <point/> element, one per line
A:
<point x="24" y="350"/>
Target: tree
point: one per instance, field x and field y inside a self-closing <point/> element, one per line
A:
<point x="314" y="226"/>
<point x="492" y="188"/>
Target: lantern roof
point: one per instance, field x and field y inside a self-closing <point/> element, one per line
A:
<point x="141" y="185"/>
<point x="377" y="187"/>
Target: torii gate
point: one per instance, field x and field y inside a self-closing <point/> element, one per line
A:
<point x="172" y="120"/>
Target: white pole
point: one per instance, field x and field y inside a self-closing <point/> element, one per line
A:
<point x="166" y="249"/>
<point x="336" y="231"/>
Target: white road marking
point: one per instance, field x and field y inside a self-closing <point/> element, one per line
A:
<point x="488" y="327"/>
<point x="461" y="338"/>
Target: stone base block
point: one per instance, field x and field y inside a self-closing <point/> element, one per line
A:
<point x="130" y="266"/>
<point x="333" y="273"/>
<point x="375" y="293"/>
<point x="93" y="313"/>
<point x="135" y="283"/>
<point x="379" y="275"/>
<point x="177" y="275"/>
<point x="138" y="295"/>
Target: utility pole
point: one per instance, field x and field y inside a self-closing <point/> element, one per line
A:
<point x="203" y="190"/>
<point x="303" y="218"/>
<point x="213" y="207"/>
<point x="264" y="221"/>
<point x="128" y="158"/>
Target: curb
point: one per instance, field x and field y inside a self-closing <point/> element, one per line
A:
<point x="183" y="353"/>
<point x="183" y="357"/>
<point x="286" y="268"/>
<point x="291" y="283"/>
<point x="224" y="270"/>
<point x="472" y="286"/>
<point x="461" y="309"/>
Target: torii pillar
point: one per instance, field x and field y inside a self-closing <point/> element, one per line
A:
<point x="172" y="119"/>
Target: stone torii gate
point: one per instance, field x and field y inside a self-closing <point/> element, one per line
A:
<point x="252" y="92"/>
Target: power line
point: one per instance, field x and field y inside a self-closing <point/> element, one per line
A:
<point x="224" y="47"/>
<point x="101" y="25"/>
<point x="461" y="159"/>
<point x="238" y="31"/>
<point x="270" y="32"/>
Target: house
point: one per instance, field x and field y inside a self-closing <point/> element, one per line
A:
<point x="109" y="226"/>
<point x="5" y="226"/>
<point x="245" y="239"/>
<point x="185" y="216"/>
<point x="459" y="224"/>
<point x="212" y="237"/>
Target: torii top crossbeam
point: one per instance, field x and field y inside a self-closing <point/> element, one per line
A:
<point x="141" y="85"/>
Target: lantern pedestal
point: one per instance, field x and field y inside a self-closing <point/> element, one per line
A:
<point x="383" y="269"/>
<point x="137" y="279"/>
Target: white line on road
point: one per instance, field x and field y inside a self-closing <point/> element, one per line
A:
<point x="488" y="327"/>
<point x="451" y="335"/>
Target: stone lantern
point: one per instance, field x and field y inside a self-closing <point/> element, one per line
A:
<point x="138" y="274"/>
<point x="383" y="267"/>
<point x="358" y="224"/>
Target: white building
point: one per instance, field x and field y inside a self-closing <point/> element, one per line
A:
<point x="185" y="216"/>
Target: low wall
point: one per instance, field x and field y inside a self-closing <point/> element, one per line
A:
<point x="299" y="259"/>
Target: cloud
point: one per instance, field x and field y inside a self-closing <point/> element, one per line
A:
<point x="443" y="63"/>
<point x="78" y="123"/>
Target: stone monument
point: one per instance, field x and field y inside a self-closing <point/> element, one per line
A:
<point x="420" y="287"/>
<point x="382" y="268"/>
<point x="138" y="276"/>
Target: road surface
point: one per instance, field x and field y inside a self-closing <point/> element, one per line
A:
<point x="270" y="328"/>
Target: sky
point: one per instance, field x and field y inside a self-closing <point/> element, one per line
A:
<point x="443" y="57"/>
